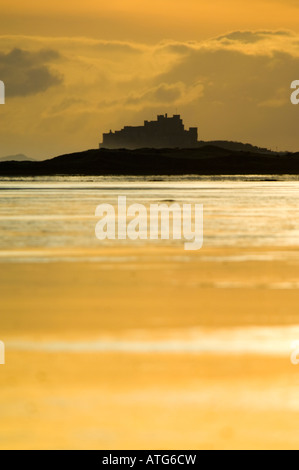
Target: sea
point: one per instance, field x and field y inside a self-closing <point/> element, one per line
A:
<point x="43" y="219"/>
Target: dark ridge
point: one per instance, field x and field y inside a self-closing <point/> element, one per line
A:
<point x="237" y="147"/>
<point x="206" y="160"/>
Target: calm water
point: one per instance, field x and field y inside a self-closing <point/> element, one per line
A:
<point x="50" y="219"/>
<point x="44" y="215"/>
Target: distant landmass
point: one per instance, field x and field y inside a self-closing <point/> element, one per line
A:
<point x="207" y="159"/>
<point x="160" y="147"/>
<point x="16" y="158"/>
<point x="167" y="132"/>
<point x="238" y="146"/>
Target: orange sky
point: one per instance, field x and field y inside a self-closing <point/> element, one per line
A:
<point x="146" y="20"/>
<point x="84" y="67"/>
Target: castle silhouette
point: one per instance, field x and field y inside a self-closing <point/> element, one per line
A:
<point x="165" y="132"/>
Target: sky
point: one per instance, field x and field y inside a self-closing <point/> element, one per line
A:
<point x="73" y="70"/>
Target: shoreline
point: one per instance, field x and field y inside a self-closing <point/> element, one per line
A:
<point x="205" y="161"/>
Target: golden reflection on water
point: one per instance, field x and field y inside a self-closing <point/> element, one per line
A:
<point x="122" y="346"/>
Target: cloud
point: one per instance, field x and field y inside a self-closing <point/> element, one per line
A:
<point x="112" y="47"/>
<point x="27" y="73"/>
<point x="163" y="93"/>
<point x="251" y="37"/>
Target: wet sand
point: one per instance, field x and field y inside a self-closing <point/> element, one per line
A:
<point x="121" y="401"/>
<point x="138" y="384"/>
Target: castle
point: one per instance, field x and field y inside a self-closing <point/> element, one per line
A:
<point x="165" y="132"/>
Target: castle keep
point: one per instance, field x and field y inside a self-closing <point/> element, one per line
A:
<point x="165" y="132"/>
